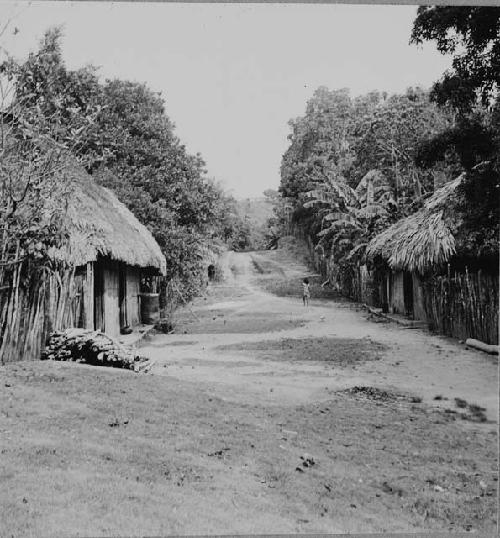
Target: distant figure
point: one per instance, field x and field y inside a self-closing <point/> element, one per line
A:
<point x="306" y="294"/>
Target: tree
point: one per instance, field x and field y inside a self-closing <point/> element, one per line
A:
<point x="150" y="170"/>
<point x="471" y="88"/>
<point x="37" y="130"/>
<point x="472" y="36"/>
<point x="386" y="135"/>
<point x="349" y="217"/>
<point x="33" y="200"/>
<point x="61" y="104"/>
<point x="127" y="142"/>
<point x="319" y="144"/>
<point x="341" y="139"/>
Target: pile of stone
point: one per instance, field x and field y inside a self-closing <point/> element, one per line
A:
<point x="91" y="347"/>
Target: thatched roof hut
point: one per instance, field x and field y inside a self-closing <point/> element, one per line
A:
<point x="423" y="240"/>
<point x="98" y="224"/>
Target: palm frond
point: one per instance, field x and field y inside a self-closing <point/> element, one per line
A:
<point x="361" y="247"/>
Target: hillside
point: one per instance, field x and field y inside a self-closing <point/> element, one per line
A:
<point x="257" y="210"/>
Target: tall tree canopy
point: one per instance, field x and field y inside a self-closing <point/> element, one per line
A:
<point x="350" y="169"/>
<point x="472" y="89"/>
<point x="122" y="135"/>
<point x="411" y="142"/>
<point x="342" y="137"/>
<point x="472" y="36"/>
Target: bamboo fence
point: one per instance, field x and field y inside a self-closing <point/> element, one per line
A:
<point x="31" y="307"/>
<point x="463" y="305"/>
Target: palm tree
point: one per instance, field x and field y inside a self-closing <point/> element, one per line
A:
<point x="349" y="217"/>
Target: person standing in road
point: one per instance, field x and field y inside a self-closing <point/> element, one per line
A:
<point x="306" y="294"/>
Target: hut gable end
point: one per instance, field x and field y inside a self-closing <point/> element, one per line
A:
<point x="98" y="224"/>
<point x="422" y="240"/>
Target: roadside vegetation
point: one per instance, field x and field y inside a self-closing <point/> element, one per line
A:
<point x="257" y="414"/>
<point x="121" y="133"/>
<point x="356" y="165"/>
<point x="221" y="437"/>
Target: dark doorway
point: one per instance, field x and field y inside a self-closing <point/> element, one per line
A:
<point x="408" y="293"/>
<point x="390" y="292"/>
<point x="98" y="297"/>
<point x="384" y="293"/>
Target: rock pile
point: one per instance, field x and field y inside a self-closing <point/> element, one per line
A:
<point x="91" y="347"/>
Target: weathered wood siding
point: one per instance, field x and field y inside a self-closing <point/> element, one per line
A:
<point x="110" y="298"/>
<point x="82" y="302"/>
<point x="396" y="291"/>
<point x="88" y="297"/>
<point x="78" y="299"/>
<point x="133" y="290"/>
<point x="419" y="312"/>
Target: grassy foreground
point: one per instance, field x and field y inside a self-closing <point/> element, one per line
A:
<point x="96" y="451"/>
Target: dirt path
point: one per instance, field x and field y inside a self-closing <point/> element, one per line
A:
<point x="250" y="422"/>
<point x="240" y="312"/>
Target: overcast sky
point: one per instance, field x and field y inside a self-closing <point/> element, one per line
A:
<point x="233" y="75"/>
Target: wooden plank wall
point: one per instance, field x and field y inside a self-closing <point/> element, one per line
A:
<point x="397" y="297"/>
<point x="88" y="296"/>
<point x="418" y="299"/>
<point x="133" y="290"/>
<point x="78" y="297"/>
<point x="111" y="299"/>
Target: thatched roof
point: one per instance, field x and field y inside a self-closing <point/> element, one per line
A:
<point x="99" y="224"/>
<point x="422" y="240"/>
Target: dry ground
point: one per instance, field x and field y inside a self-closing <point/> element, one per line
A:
<point x="258" y="416"/>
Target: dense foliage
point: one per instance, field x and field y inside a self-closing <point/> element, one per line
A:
<point x="472" y="36"/>
<point x="121" y="133"/>
<point x="32" y="187"/>
<point x="350" y="169"/>
<point x="356" y="165"/>
<point x="348" y="137"/>
<point x="471" y="90"/>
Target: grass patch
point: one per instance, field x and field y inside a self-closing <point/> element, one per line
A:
<point x="410" y="461"/>
<point x="292" y="287"/>
<point x="266" y="267"/>
<point x="475" y="413"/>
<point x="338" y="351"/>
<point x="373" y="393"/>
<point x="163" y="344"/>
<point x="236" y="324"/>
<point x="109" y="452"/>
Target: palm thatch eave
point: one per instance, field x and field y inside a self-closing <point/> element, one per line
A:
<point x="421" y="241"/>
<point x="98" y="224"/>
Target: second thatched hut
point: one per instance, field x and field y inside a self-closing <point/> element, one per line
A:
<point x="428" y="278"/>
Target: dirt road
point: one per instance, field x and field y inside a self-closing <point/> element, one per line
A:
<point x="240" y="313"/>
<point x="257" y="351"/>
<point x="258" y="416"/>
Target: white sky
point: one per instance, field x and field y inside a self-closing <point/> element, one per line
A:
<point x="233" y="75"/>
